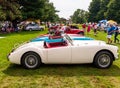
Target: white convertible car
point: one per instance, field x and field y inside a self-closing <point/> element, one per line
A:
<point x="64" y="50"/>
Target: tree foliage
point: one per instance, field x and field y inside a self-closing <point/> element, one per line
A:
<point x="26" y="9"/>
<point x="113" y="11"/>
<point x="79" y="16"/>
<point x="94" y="8"/>
<point x="9" y="10"/>
<point x="45" y="11"/>
<point x="50" y="13"/>
<point x="104" y="9"/>
<point x="38" y="9"/>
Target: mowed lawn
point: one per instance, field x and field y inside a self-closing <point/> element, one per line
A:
<point x="53" y="76"/>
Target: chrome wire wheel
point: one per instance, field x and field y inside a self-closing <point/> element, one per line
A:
<point x="31" y="60"/>
<point x="103" y="59"/>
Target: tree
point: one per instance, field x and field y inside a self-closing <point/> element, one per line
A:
<point x="79" y="16"/>
<point x="40" y="9"/>
<point x="63" y="20"/>
<point x="32" y="8"/>
<point x="10" y="10"/>
<point x="103" y="8"/>
<point x="3" y="15"/>
<point x="113" y="11"/>
<point x="50" y="13"/>
<point x="94" y="8"/>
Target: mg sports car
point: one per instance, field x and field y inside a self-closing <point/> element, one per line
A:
<point x="64" y="50"/>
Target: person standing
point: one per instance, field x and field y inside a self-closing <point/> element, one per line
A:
<point x="14" y="23"/>
<point x="88" y="28"/>
<point x="109" y="33"/>
<point x="95" y="29"/>
<point x="116" y="33"/>
<point x="84" y="27"/>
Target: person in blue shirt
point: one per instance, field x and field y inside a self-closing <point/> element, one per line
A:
<point x="110" y="32"/>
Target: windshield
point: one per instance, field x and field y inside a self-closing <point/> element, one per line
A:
<point x="68" y="39"/>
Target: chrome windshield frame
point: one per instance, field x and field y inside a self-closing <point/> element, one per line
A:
<point x="68" y="38"/>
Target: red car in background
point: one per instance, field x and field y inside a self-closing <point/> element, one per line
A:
<point x="74" y="31"/>
<point x="66" y="29"/>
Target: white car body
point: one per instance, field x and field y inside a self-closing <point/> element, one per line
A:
<point x="74" y="53"/>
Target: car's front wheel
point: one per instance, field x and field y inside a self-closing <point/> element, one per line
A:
<point x="30" y="29"/>
<point x="31" y="60"/>
<point x="103" y="59"/>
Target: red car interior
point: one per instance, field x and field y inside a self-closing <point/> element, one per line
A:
<point x="55" y="44"/>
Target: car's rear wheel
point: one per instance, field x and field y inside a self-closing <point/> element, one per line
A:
<point x="103" y="59"/>
<point x="42" y="29"/>
<point x="31" y="60"/>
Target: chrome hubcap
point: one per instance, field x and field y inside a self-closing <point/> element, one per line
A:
<point x="31" y="60"/>
<point x="104" y="60"/>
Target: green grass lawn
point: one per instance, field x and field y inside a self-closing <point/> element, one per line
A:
<point x="53" y="76"/>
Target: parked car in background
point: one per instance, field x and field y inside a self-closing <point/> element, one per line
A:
<point x="66" y="29"/>
<point x="33" y="26"/>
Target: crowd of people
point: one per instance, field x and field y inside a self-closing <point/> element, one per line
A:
<point x="110" y="29"/>
<point x="57" y="29"/>
<point x="8" y="27"/>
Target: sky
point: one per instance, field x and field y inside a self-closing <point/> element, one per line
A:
<point x="68" y="7"/>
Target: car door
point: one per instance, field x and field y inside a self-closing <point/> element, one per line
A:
<point x="81" y="54"/>
<point x="59" y="54"/>
<point x="36" y="27"/>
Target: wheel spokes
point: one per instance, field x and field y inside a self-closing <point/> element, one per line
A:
<point x="104" y="60"/>
<point x="31" y="60"/>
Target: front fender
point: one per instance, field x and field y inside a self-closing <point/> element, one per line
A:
<point x="15" y="57"/>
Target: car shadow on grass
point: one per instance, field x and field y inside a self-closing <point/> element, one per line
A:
<point x="62" y="70"/>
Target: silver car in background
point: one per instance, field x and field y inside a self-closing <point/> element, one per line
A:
<point x="31" y="27"/>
